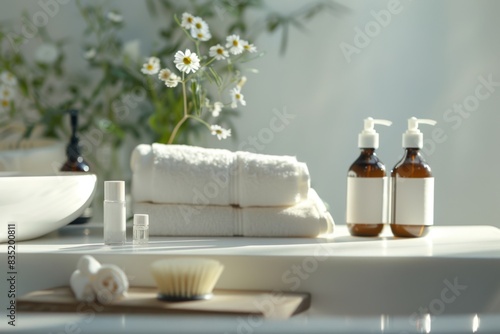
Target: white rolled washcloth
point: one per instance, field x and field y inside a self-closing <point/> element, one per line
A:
<point x="309" y="218"/>
<point x="110" y="283"/>
<point x="81" y="279"/>
<point x="81" y="285"/>
<point x="88" y="266"/>
<point x="194" y="175"/>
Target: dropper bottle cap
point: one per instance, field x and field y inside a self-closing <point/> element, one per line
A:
<point x="413" y="138"/>
<point x="369" y="138"/>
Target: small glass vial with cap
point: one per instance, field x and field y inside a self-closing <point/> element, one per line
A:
<point x="141" y="229"/>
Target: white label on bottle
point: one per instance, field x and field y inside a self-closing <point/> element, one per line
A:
<point x="367" y="200"/>
<point x="413" y="201"/>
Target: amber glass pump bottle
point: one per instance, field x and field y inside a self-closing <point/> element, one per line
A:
<point x="367" y="185"/>
<point x="412" y="184"/>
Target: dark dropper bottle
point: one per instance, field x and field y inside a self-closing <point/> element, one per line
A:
<point x="75" y="161"/>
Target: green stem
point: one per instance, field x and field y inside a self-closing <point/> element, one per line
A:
<point x="184" y="95"/>
<point x="197" y="43"/>
<point x="199" y="120"/>
<point x="201" y="65"/>
<point x="209" y="62"/>
<point x="176" y="129"/>
<point x="185" y="117"/>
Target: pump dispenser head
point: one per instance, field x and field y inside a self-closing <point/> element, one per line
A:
<point x="73" y="148"/>
<point x="413" y="138"/>
<point x="368" y="138"/>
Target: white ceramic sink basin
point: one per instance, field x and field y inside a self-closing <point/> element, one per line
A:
<point x="37" y="205"/>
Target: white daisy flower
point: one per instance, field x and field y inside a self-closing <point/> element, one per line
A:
<point x="217" y="109"/>
<point x="46" y="54"/>
<point x="114" y="17"/>
<point x="173" y="82"/>
<point x="171" y="79"/>
<point x="220" y="132"/>
<point x="248" y="47"/>
<point x="152" y="66"/>
<point x="90" y="54"/>
<point x="164" y="74"/>
<point x="8" y="78"/>
<point x="199" y="25"/>
<point x="201" y="35"/>
<point x="186" y="61"/>
<point x="187" y="20"/>
<point x="234" y="45"/>
<point x="4" y="105"/>
<point x="153" y="60"/>
<point x="237" y="97"/>
<point x="7" y="92"/>
<point x="218" y="52"/>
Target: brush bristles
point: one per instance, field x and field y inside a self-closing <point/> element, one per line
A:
<point x="186" y="277"/>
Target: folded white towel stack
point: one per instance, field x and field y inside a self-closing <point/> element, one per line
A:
<point x="183" y="174"/>
<point x="194" y="191"/>
<point x="308" y="218"/>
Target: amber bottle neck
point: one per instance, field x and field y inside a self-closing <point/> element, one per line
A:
<point x="367" y="151"/>
<point x="413" y="154"/>
<point x="412" y="151"/>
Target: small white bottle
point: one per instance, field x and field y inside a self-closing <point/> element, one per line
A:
<point x="114" y="213"/>
<point x="367" y="185"/>
<point x="141" y="229"/>
<point x="412" y="183"/>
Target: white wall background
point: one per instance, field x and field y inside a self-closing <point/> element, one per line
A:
<point x="424" y="61"/>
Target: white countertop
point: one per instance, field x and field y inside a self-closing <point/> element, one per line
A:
<point x="442" y="241"/>
<point x="357" y="284"/>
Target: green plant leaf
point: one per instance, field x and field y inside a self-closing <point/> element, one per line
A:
<point x="284" y="39"/>
<point x="216" y="77"/>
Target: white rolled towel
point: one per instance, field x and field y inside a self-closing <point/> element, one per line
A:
<point x="181" y="174"/>
<point x="81" y="285"/>
<point x="309" y="218"/>
<point x="110" y="283"/>
<point x="88" y="265"/>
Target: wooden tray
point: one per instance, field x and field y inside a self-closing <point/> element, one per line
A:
<point x="143" y="300"/>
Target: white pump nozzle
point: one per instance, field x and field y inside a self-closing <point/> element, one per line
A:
<point x="368" y="138"/>
<point x="413" y="137"/>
